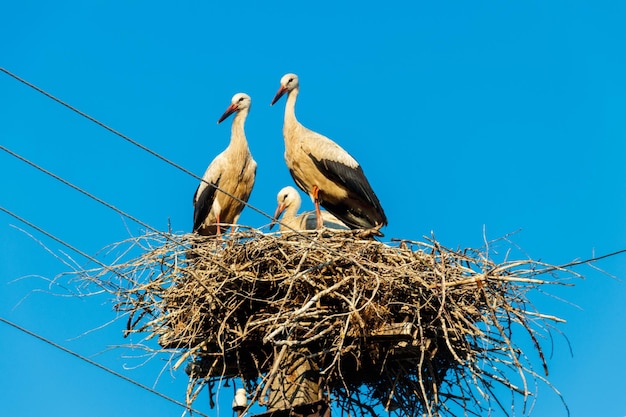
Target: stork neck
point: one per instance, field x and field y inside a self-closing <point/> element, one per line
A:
<point x="290" y="108"/>
<point x="290" y="212"/>
<point x="237" y="133"/>
<point x="293" y="207"/>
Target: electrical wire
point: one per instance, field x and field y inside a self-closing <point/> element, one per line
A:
<point x="51" y="236"/>
<point x="86" y="193"/>
<point x="108" y="205"/>
<point x="99" y="123"/>
<point x="67" y="245"/>
<point x="154" y="154"/>
<point x="128" y="139"/>
<point x="100" y="366"/>
<point x="112" y="207"/>
<point x="143" y="147"/>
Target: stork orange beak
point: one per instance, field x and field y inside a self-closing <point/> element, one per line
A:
<point x="281" y="91"/>
<point x="279" y="210"/>
<point x="230" y="110"/>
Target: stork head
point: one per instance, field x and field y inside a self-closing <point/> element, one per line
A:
<point x="287" y="83"/>
<point x="286" y="197"/>
<point x="240" y="101"/>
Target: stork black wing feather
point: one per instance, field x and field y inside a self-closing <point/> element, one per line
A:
<point x="352" y="178"/>
<point x="203" y="203"/>
<point x="298" y="182"/>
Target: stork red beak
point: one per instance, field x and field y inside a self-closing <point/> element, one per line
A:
<point x="282" y="90"/>
<point x="230" y="110"/>
<point x="279" y="210"/>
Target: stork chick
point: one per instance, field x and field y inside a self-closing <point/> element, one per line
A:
<point x="289" y="202"/>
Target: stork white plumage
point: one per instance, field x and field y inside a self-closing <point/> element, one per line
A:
<point x="289" y="202"/>
<point x="325" y="171"/>
<point x="240" y="402"/>
<point x="232" y="171"/>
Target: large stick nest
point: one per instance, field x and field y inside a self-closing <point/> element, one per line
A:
<point x="416" y="327"/>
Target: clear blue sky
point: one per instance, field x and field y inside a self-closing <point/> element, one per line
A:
<point x="469" y="118"/>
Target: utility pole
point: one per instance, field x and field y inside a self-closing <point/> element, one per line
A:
<point x="294" y="389"/>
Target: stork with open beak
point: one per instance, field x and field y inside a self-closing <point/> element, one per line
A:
<point x="232" y="171"/>
<point x="325" y="171"/>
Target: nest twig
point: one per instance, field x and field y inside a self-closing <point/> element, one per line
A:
<point x="414" y="326"/>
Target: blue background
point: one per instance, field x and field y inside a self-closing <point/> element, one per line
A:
<point x="472" y="121"/>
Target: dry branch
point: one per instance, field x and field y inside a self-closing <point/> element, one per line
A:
<point x="413" y="326"/>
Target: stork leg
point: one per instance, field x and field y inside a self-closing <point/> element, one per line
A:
<point x="217" y="218"/>
<point x="234" y="227"/>
<point x="316" y="201"/>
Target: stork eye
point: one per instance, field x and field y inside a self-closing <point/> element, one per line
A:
<point x="240" y="99"/>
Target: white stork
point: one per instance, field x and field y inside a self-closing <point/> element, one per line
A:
<point x="289" y="202"/>
<point x="232" y="171"/>
<point x="325" y="171"/>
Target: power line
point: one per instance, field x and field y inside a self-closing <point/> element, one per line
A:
<point x="96" y="364"/>
<point x="80" y="190"/>
<point x="99" y="123"/>
<point x="130" y="140"/>
<point x="99" y="200"/>
<point x="154" y="154"/>
<point x="112" y="207"/>
<point x="159" y="156"/>
<point x="64" y="243"/>
<point x="51" y="236"/>
<point x="143" y="147"/>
